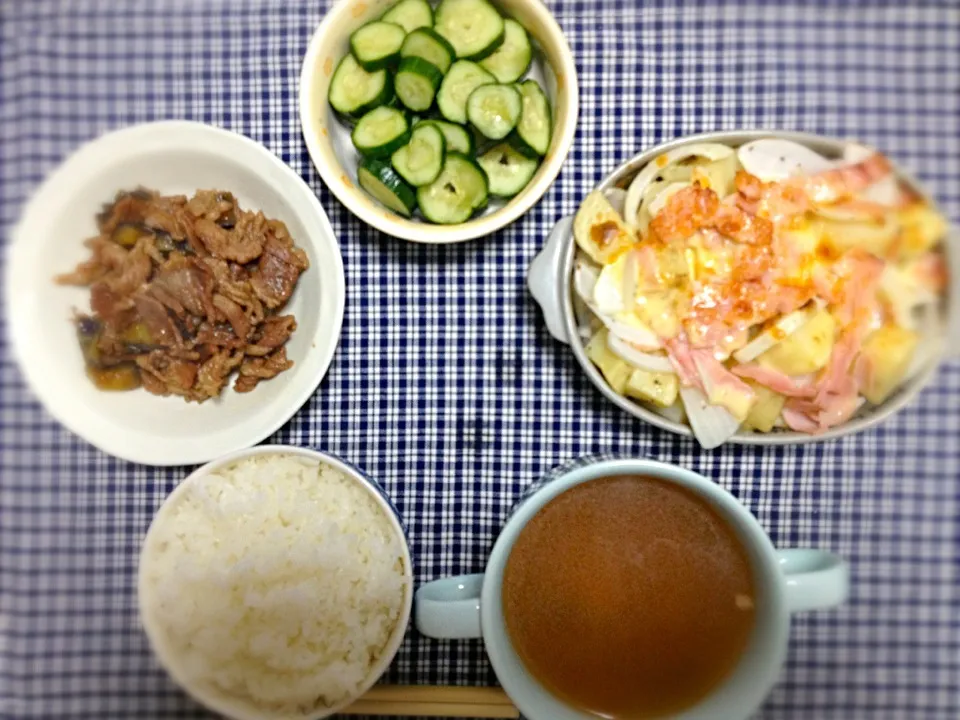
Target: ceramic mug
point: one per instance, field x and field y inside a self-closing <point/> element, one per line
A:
<point x="787" y="581"/>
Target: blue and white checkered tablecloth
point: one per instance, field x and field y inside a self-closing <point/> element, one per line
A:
<point x="466" y="398"/>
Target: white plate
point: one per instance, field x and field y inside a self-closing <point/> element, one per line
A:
<point x="172" y="157"/>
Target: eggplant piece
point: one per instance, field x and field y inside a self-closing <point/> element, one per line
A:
<point x="166" y="244"/>
<point x="127" y="234"/>
<point x="88" y="334"/>
<point x="137" y="334"/>
<point x="116" y="378"/>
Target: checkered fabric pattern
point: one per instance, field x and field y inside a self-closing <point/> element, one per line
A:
<point x="467" y="399"/>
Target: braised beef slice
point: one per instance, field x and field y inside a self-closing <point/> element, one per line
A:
<point x="213" y="205"/>
<point x="107" y="256"/>
<point x="273" y="332"/>
<point x="233" y="314"/>
<point x="253" y="370"/>
<point x="133" y="271"/>
<point x="218" y="334"/>
<point x="277" y="272"/>
<point x="174" y="222"/>
<point x="158" y="322"/>
<point x="173" y="375"/>
<point x="214" y="372"/>
<point x="108" y="305"/>
<point x="233" y="282"/>
<point x="187" y="281"/>
<point x="127" y="208"/>
<point x="241" y="244"/>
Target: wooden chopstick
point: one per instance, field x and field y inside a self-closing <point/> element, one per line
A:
<point x="434" y="701"/>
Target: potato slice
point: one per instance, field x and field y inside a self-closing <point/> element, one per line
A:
<point x="615" y="370"/>
<point x="922" y="228"/>
<point x="718" y="175"/>
<point x="887" y="353"/>
<point x="806" y="350"/>
<point x="765" y="410"/>
<point x="874" y="237"/>
<point x="599" y="230"/>
<point x="659" y="388"/>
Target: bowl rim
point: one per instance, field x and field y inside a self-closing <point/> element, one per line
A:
<point x="829" y="145"/>
<point x="116" y="147"/>
<point x="421" y="232"/>
<point x="371" y="486"/>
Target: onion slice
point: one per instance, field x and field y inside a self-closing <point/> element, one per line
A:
<point x="773" y="159"/>
<point x="884" y="192"/>
<point x="712" y="425"/>
<point x="654" y="362"/>
<point x="711" y="151"/>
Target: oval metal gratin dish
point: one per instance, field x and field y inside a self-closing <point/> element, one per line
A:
<point x="550" y="281"/>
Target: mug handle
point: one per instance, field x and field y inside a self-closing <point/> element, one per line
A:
<point x="449" y="608"/>
<point x="815" y="579"/>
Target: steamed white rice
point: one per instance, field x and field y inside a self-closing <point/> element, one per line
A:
<point x="276" y="582"/>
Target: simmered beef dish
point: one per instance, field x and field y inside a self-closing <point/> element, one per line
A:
<point x="184" y="293"/>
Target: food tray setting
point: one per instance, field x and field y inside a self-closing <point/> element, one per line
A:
<point x="436" y="388"/>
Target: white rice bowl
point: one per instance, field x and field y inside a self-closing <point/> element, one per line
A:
<point x="273" y="583"/>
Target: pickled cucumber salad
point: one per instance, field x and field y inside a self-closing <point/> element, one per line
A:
<point x="760" y="288"/>
<point x="442" y="117"/>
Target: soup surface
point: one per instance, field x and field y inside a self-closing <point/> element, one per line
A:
<point x="629" y="597"/>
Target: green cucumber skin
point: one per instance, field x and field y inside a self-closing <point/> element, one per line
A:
<point x="391" y="16"/>
<point x="386" y="97"/>
<point x="388" y="177"/>
<point x="381" y="150"/>
<point x="439" y="40"/>
<point x="517" y="141"/>
<point x="396" y="161"/>
<point x="424" y="69"/>
<point x="386" y="61"/>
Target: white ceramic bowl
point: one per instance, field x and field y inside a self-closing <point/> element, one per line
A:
<point x="332" y="151"/>
<point x="551" y="272"/>
<point x="235" y="708"/>
<point x="172" y="157"/>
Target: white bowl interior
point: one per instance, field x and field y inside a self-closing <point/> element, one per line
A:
<point x="137" y="424"/>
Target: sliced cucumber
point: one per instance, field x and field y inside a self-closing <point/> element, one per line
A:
<point x="380" y="132"/>
<point x="512" y="59"/>
<point x="494" y="110"/>
<point x="419" y="161"/>
<point x="425" y="43"/>
<point x="458" y="138"/>
<point x="508" y="172"/>
<point x="473" y="27"/>
<point x="379" y="179"/>
<point x="377" y="45"/>
<point x="416" y="83"/>
<point x="459" y="190"/>
<point x="410" y="14"/>
<point x="463" y="78"/>
<point x="532" y="136"/>
<point x="354" y="91"/>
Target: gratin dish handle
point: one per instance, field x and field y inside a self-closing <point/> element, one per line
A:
<point x="814" y="579"/>
<point x="449" y="608"/>
<point x="953" y="298"/>
<point x="544" y="281"/>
